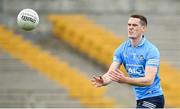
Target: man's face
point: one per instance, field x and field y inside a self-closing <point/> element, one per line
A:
<point x="135" y="29"/>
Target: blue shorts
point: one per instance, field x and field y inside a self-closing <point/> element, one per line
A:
<point x="151" y="102"/>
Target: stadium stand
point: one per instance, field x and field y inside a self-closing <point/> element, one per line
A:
<point x="55" y="69"/>
<point x="170" y="84"/>
<point x="85" y="36"/>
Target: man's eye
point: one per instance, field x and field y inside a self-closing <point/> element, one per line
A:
<point x="134" y="24"/>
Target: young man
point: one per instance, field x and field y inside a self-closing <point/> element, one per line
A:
<point x="141" y="60"/>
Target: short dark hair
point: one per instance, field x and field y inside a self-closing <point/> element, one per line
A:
<point x="142" y="18"/>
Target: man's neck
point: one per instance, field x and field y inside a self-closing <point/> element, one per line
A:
<point x="135" y="41"/>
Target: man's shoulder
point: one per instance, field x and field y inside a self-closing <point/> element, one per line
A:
<point x="150" y="44"/>
<point x="121" y="47"/>
<point x="124" y="44"/>
<point x="152" y="48"/>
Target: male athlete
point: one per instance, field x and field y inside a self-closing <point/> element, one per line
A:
<point x="141" y="60"/>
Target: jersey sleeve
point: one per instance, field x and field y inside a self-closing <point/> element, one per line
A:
<point x="118" y="54"/>
<point x="153" y="57"/>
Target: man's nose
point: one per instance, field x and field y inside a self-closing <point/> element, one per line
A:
<point x="130" y="27"/>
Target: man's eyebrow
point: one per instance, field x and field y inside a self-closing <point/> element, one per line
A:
<point x="132" y="24"/>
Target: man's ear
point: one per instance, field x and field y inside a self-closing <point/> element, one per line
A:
<point x="144" y="28"/>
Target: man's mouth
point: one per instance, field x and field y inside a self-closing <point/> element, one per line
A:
<point x="130" y="32"/>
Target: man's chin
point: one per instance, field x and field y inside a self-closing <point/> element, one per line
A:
<point x="131" y="37"/>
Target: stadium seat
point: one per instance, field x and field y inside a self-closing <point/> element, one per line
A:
<point x="77" y="84"/>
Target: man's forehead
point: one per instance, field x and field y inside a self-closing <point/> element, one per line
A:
<point x="133" y="20"/>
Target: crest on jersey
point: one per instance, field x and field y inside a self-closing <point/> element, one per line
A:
<point x="141" y="57"/>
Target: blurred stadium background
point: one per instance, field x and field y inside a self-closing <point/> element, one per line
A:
<point x="52" y="65"/>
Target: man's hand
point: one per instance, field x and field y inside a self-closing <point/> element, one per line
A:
<point x="118" y="76"/>
<point x="97" y="81"/>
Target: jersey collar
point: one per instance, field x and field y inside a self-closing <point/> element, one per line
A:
<point x="140" y="43"/>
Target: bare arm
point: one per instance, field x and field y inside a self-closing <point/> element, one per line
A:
<point x="147" y="80"/>
<point x="105" y="77"/>
<point x="103" y="80"/>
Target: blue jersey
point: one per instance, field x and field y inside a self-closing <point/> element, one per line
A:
<point x="135" y="59"/>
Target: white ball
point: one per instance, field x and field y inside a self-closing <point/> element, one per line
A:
<point x="27" y="19"/>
